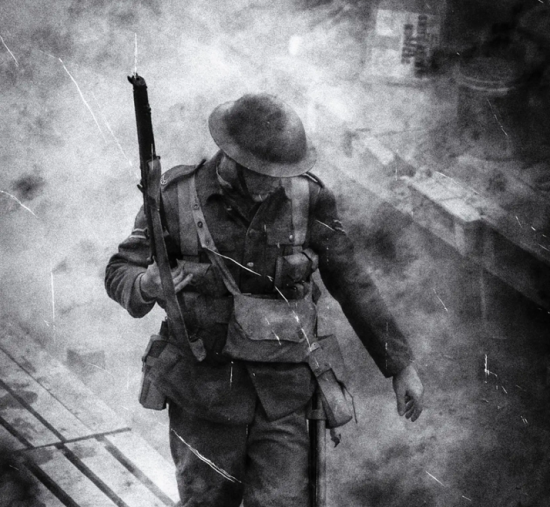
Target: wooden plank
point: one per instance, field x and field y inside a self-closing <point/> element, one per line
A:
<point x="59" y="381"/>
<point x="24" y="422"/>
<point x="69" y="478"/>
<point x="43" y="497"/>
<point x="107" y="468"/>
<point x="7" y="440"/>
<point x="40" y="400"/>
<point x="147" y="460"/>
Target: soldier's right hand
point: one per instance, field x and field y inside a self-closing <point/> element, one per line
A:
<point x="151" y="286"/>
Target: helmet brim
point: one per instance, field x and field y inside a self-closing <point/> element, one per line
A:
<point x="219" y="131"/>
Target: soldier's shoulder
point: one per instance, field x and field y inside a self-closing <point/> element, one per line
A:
<point x="178" y="173"/>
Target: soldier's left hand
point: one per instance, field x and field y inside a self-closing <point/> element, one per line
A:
<point x="409" y="392"/>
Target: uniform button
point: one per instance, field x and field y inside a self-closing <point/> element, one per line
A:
<point x="252" y="233"/>
<point x="196" y="206"/>
<point x="291" y="237"/>
<point x="199" y="224"/>
<point x="250" y="264"/>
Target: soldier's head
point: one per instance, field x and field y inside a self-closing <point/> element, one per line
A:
<point x="263" y="139"/>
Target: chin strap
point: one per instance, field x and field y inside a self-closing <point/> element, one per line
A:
<point x="242" y="181"/>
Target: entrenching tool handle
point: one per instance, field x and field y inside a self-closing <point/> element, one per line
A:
<point x="317" y="458"/>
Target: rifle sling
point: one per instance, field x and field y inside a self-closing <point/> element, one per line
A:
<point x="173" y="310"/>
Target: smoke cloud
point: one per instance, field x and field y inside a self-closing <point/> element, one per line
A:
<point x="68" y="197"/>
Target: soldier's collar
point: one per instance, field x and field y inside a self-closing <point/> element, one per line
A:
<point x="217" y="185"/>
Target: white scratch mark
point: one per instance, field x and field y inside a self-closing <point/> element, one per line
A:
<point x="435" y="478"/>
<point x="326" y="225"/>
<point x="504" y="389"/>
<point x="496" y="118"/>
<point x="53" y="296"/>
<point x="277" y="336"/>
<point x="525" y="421"/>
<point x="466" y="498"/>
<point x="237" y="263"/>
<point x="212" y="465"/>
<point x="518" y="221"/>
<point x="111" y="131"/>
<point x="9" y="51"/>
<point x="282" y="295"/>
<point x="440" y="300"/>
<point x="18" y="202"/>
<point x="544" y="248"/>
<point x="48" y="54"/>
<point x="296" y="317"/>
<point x="99" y="368"/>
<point x="487" y="371"/>
<point x="83" y="99"/>
<point x="231" y="376"/>
<point x="305" y="336"/>
<point x="135" y="53"/>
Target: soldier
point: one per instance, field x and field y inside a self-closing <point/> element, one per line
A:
<point x="247" y="230"/>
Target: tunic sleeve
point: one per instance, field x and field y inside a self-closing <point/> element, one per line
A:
<point x="125" y="269"/>
<point x="348" y="282"/>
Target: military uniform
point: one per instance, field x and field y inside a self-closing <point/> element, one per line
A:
<point x="248" y="418"/>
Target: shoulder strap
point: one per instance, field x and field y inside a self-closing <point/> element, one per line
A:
<point x="299" y="196"/>
<point x="189" y="243"/>
<point x="206" y="240"/>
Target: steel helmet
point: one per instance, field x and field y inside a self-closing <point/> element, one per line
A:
<point x="263" y="134"/>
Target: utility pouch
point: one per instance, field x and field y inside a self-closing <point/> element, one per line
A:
<point x="295" y="268"/>
<point x="159" y="357"/>
<point x="270" y="330"/>
<point x="327" y="364"/>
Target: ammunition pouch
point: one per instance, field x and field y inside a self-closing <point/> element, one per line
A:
<point x="327" y="364"/>
<point x="295" y="268"/>
<point x="156" y="356"/>
<point x="270" y="330"/>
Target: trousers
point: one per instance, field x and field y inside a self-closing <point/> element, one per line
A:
<point x="261" y="464"/>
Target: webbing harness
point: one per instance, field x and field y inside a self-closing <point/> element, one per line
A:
<point x="296" y="188"/>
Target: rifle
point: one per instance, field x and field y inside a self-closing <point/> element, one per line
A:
<point x="152" y="203"/>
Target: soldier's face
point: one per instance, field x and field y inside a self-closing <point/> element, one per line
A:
<point x="259" y="186"/>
